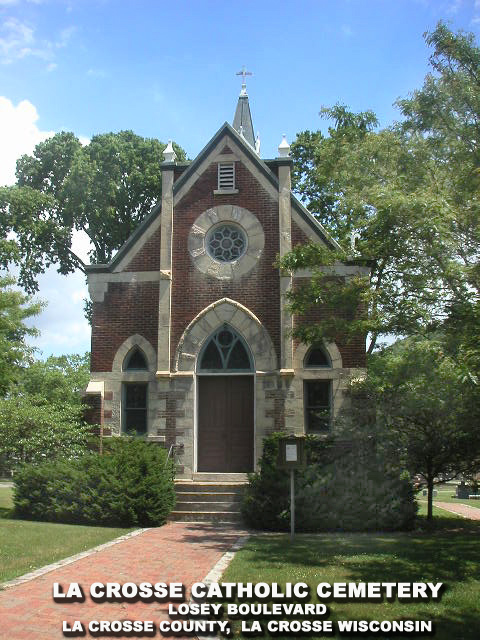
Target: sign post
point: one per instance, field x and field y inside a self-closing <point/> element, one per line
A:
<point x="291" y="455"/>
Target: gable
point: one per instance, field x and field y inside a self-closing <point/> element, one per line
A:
<point x="226" y="145"/>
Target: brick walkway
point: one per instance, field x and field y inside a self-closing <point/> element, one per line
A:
<point x="177" y="552"/>
<point x="472" y="513"/>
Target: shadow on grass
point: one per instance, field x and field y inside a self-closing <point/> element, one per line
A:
<point x="443" y="551"/>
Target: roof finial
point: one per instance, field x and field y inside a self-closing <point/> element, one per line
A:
<point x="284" y="147"/>
<point x="169" y="154"/>
<point x="244" y="73"/>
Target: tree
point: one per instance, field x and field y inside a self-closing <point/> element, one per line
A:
<point x="445" y="116"/>
<point x="15" y="310"/>
<point x="41" y="417"/>
<point x="419" y="405"/>
<point x="104" y="188"/>
<point x="410" y="192"/>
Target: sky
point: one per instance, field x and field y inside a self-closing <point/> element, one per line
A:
<point x="168" y="70"/>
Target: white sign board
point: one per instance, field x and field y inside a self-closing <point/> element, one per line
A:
<point x="291" y="453"/>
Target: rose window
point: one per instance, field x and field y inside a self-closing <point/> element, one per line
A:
<point x="226" y="243"/>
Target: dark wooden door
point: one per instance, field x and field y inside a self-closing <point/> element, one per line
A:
<point x="225" y="424"/>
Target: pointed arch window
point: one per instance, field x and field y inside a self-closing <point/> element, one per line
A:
<point x="225" y="351"/>
<point x="317" y="357"/>
<point x="135" y="360"/>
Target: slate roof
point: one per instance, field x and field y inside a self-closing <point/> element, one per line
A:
<point x="243" y="119"/>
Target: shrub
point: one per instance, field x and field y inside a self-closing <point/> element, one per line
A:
<point x="341" y="488"/>
<point x="131" y="485"/>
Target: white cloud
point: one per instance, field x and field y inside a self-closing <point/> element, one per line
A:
<point x="476" y="12"/>
<point x="346" y="30"/>
<point x="19" y="40"/>
<point x="81" y="245"/>
<point x="62" y="325"/>
<point x="97" y="73"/>
<point x="18" y="135"/>
<point x="453" y="7"/>
<point x="16" y="40"/>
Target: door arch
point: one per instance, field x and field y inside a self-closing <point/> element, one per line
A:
<point x="225" y="442"/>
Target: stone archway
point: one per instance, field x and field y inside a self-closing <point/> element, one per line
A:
<point x="228" y="397"/>
<point x="241" y="319"/>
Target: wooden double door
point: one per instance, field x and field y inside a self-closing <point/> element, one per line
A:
<point x="225" y="424"/>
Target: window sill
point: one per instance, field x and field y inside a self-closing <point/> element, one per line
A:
<point x="224" y="192"/>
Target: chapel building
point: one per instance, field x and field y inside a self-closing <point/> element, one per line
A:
<point x="191" y="338"/>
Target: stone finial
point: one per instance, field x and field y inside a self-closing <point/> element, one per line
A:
<point x="169" y="154"/>
<point x="284" y="148"/>
<point x="354" y="236"/>
<point x="257" y="144"/>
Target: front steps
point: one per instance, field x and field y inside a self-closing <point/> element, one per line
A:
<point x="204" y="499"/>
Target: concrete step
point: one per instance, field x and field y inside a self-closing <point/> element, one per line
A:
<point x="209" y="500"/>
<point x="208" y="496"/>
<point x="182" y="486"/>
<point x="208" y="506"/>
<point x="220" y="517"/>
<point x="220" y="477"/>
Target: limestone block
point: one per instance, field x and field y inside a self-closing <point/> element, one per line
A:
<point x="225" y="312"/>
<point x="224" y="212"/>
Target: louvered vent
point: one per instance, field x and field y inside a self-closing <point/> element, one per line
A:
<point x="226" y="176"/>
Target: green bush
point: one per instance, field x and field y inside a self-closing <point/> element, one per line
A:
<point x="342" y="488"/>
<point x="130" y="485"/>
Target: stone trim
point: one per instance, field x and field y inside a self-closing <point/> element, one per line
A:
<point x="135" y="341"/>
<point x="98" y="282"/>
<point x="330" y="347"/>
<point x="238" y="317"/>
<point x="197" y="237"/>
<point x="95" y="387"/>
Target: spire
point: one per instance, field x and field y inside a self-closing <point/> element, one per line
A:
<point x="242" y="122"/>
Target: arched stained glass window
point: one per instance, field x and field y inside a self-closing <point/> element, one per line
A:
<point x="317" y="357"/>
<point x="135" y="361"/>
<point x="225" y="351"/>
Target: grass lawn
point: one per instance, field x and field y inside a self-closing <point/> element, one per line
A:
<point x="446" y="551"/>
<point x="446" y="493"/>
<point x="437" y="512"/>
<point x="26" y="545"/>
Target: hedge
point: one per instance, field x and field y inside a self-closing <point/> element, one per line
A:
<point x="342" y="488"/>
<point x="130" y="485"/>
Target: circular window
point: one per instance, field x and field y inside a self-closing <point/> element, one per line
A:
<point x="226" y="243"/>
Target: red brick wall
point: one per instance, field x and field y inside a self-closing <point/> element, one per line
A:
<point x="258" y="290"/>
<point x="298" y="236"/>
<point x="353" y="351"/>
<point x="127" y="309"/>
<point x="93" y="408"/>
<point x="148" y="258"/>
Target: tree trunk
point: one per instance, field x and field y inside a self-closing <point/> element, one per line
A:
<point x="430" y="498"/>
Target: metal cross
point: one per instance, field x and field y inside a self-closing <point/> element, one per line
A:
<point x="244" y="73"/>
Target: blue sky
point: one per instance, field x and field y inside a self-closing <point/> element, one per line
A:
<point x="167" y="70"/>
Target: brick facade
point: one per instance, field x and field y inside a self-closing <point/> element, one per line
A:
<point x="259" y="290"/>
<point x="353" y="350"/>
<point x="127" y="309"/>
<point x="168" y="306"/>
<point x="148" y="258"/>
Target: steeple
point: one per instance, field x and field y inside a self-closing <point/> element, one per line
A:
<point x="242" y="122"/>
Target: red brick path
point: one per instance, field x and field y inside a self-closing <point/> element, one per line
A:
<point x="177" y="552"/>
<point x="473" y="513"/>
